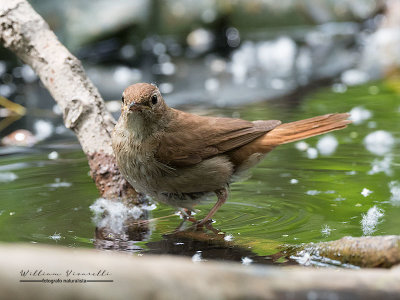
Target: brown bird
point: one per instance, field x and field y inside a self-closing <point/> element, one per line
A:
<point x="178" y="158"/>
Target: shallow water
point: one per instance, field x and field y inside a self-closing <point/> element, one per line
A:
<point x="291" y="198"/>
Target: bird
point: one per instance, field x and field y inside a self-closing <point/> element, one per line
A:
<point x="179" y="158"/>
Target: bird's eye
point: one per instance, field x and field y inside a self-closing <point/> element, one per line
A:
<point x="123" y="99"/>
<point x="154" y="99"/>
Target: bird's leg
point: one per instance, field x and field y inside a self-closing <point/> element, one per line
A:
<point x="222" y="195"/>
<point x="187" y="216"/>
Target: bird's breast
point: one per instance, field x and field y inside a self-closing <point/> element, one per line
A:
<point x="137" y="163"/>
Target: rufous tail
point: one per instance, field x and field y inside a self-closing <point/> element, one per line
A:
<point x="294" y="131"/>
<point x="289" y="132"/>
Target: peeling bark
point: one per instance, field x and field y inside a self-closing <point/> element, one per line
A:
<point x="26" y="34"/>
<point x="108" y="179"/>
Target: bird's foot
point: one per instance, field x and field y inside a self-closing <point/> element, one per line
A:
<point x="203" y="223"/>
<point x="187" y="216"/>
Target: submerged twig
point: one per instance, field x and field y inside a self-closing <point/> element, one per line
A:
<point x="367" y="251"/>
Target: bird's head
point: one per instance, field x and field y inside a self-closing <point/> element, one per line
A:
<point x="142" y="100"/>
<point x="143" y="108"/>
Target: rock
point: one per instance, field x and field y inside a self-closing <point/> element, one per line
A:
<point x="20" y="137"/>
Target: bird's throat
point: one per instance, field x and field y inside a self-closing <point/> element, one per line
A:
<point x="141" y="127"/>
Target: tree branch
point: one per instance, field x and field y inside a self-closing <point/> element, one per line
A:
<point x="25" y="33"/>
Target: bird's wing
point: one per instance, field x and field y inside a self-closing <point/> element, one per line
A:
<point x="188" y="139"/>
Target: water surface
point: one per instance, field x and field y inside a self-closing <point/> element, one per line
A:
<point x="296" y="195"/>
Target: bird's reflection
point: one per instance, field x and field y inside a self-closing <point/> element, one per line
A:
<point x="187" y="239"/>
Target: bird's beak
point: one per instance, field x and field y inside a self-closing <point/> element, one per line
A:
<point x="135" y="106"/>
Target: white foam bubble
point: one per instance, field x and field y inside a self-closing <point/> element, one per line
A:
<point x="327" y="145"/>
<point x="112" y="214"/>
<point x="366" y="192"/>
<point x="294" y="181"/>
<point x="28" y="74"/>
<point x="313" y="192"/>
<point x="127" y="51"/>
<point x="370" y="220"/>
<point x="383" y="165"/>
<point x="218" y="65"/>
<point x="7" y="177"/>
<point x="246" y="261"/>
<point x="209" y="15"/>
<point x="359" y="114"/>
<point x="211" y="84"/>
<point x="301" y="146"/>
<point x="228" y="238"/>
<point x="304" y="61"/>
<point x="159" y="49"/>
<point x="379" y="142"/>
<point x="200" y="40"/>
<point x="58" y="183"/>
<point x="113" y="106"/>
<point x="124" y="75"/>
<point x="354" y="77"/>
<point x="394" y="187"/>
<point x="243" y="59"/>
<point x="6" y="90"/>
<point x="304" y="258"/>
<point x="197" y="257"/>
<point x="166" y="87"/>
<point x="53" y="155"/>
<point x="326" y="230"/>
<point x="167" y="68"/>
<point x="55" y="236"/>
<point x="339" y="88"/>
<point x="278" y="55"/>
<point x="233" y="37"/>
<point x="57" y="110"/>
<point x="43" y="129"/>
<point x="278" y="84"/>
<point x="312" y="153"/>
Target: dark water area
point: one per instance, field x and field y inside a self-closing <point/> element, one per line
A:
<point x="325" y="188"/>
